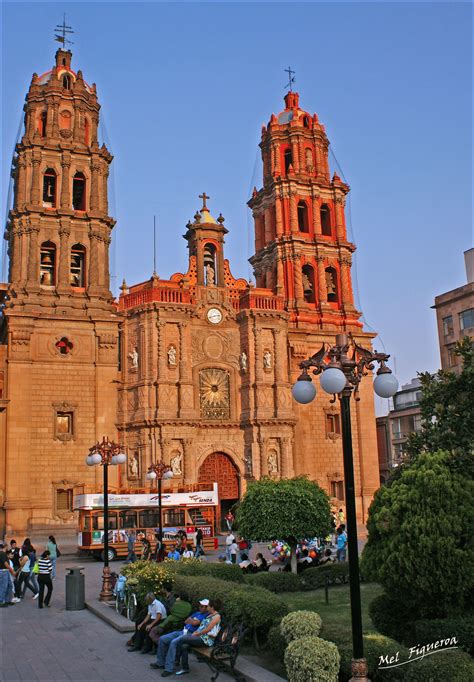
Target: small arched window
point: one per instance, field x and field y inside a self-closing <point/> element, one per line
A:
<point x="303" y="222"/>
<point x="79" y="192"/>
<point x="331" y="285"/>
<point x="49" y="188"/>
<point x="306" y="121"/>
<point x="77" y="268"/>
<point x="325" y="220"/>
<point x="64" y="61"/>
<point x="288" y="159"/>
<point x="48" y="264"/>
<point x="67" y="81"/>
<point x="210" y="265"/>
<point x="42" y="123"/>
<point x="65" y="119"/>
<point x="308" y="284"/>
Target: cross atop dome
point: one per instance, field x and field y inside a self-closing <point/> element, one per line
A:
<point x="204" y="197"/>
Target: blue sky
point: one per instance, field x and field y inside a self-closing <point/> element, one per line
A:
<point x="185" y="88"/>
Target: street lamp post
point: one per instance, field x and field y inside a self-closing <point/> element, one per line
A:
<point x="342" y="367"/>
<point x="160" y="472"/>
<point x="105" y="453"/>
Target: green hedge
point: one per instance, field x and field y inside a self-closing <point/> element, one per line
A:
<point x="375" y="645"/>
<point x="391" y="618"/>
<point x="455" y="666"/>
<point x="462" y="628"/>
<point x="312" y="578"/>
<point x="311" y="659"/>
<point x="299" y="624"/>
<point x="252" y="606"/>
<point x="276" y="643"/>
<point x="222" y="571"/>
<point x="275" y="582"/>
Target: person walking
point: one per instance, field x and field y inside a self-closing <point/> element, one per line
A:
<point x="45" y="570"/>
<point x="33" y="569"/>
<point x="229" y="519"/>
<point x="341" y="544"/>
<point x="5" y="582"/>
<point x="52" y="548"/>
<point x="131" y="556"/>
<point x="23" y="576"/>
<point x="199" y="540"/>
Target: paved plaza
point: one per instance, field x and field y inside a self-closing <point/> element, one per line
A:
<point x="55" y="645"/>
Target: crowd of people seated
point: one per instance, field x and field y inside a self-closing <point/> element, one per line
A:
<point x="167" y="627"/>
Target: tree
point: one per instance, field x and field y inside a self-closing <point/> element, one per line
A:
<point x="420" y="545"/>
<point x="447" y="415"/>
<point x="289" y="510"/>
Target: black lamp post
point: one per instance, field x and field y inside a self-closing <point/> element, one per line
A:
<point x="160" y="472"/>
<point x="342" y="367"/>
<point x="105" y="453"/>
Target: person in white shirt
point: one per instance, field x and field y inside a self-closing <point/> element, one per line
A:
<point x="156" y="612"/>
<point x="228" y="541"/>
<point x="188" y="552"/>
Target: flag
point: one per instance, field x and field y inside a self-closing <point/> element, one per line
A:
<point x="60" y="39"/>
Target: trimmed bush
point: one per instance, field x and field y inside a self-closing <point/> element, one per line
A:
<point x="229" y="572"/>
<point x="312" y="578"/>
<point x="462" y="628"/>
<point x="252" y="606"/>
<point x="391" y="618"/>
<point x="375" y="646"/>
<point x="276" y="643"/>
<point x="311" y="659"/>
<point x="300" y="624"/>
<point x="149" y="575"/>
<point x="275" y="582"/>
<point x="455" y="666"/>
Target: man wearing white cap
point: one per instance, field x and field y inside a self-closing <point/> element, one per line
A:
<point x="167" y="644"/>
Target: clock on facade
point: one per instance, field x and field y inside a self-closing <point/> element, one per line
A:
<point x="214" y="315"/>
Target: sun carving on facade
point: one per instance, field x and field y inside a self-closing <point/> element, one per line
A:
<point x="214" y="392"/>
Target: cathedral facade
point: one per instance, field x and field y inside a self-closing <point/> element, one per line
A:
<point x="195" y="370"/>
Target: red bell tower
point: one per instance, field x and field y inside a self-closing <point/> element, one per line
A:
<point x="301" y="245"/>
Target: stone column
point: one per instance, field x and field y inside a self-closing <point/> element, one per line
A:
<point x="258" y="354"/>
<point x="33" y="256"/>
<point x="293" y="211"/>
<point x="20" y="196"/>
<point x="278" y="217"/>
<point x="94" y="125"/>
<point x="31" y="129"/>
<point x="200" y="262"/>
<point x="339" y="204"/>
<point x="280" y="356"/>
<point x="268" y="225"/>
<point x="276" y="151"/>
<point x="106" y="245"/>
<point x="161" y="350"/>
<point x="55" y="125"/>
<point x="316" y="213"/>
<point x="65" y="182"/>
<point x="35" y="179"/>
<point x="183" y="359"/>
<point x="287" y="467"/>
<point x="295" y="155"/>
<point x="76" y="133"/>
<point x="93" y="279"/>
<point x="190" y="473"/>
<point x="94" y="196"/>
<point x="16" y="232"/>
<point x="64" y="260"/>
<point x="280" y="283"/>
<point x="263" y="456"/>
<point x="105" y="195"/>
<point x="49" y="118"/>
<point x="322" y="287"/>
<point x="346" y="290"/>
<point x="298" y="279"/>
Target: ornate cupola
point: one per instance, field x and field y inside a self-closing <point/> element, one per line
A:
<point x="205" y="237"/>
<point x="301" y="245"/>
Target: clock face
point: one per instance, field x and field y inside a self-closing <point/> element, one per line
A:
<point x="214" y="315"/>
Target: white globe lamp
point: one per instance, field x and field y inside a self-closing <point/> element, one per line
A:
<point x="96" y="458"/>
<point x="303" y="391"/>
<point x="151" y="475"/>
<point x="333" y="380"/>
<point x="385" y="385"/>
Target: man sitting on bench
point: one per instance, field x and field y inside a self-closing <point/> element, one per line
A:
<point x="204" y="636"/>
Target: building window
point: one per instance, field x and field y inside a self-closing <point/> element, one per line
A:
<point x="64" y="499"/>
<point x="333" y="425"/>
<point x="79" y="192"/>
<point x="452" y="356"/>
<point x="77" y="269"/>
<point x="67" y="81"/>
<point x="64" y="421"/>
<point x="448" y="325"/>
<point x="331" y="285"/>
<point x="49" y="188"/>
<point x="288" y="157"/>
<point x="308" y="284"/>
<point x="48" y="264"/>
<point x="303" y="222"/>
<point x="42" y="123"/>
<point x="64" y="346"/>
<point x="466" y="319"/>
<point x="305" y="121"/>
<point x="337" y="490"/>
<point x="325" y="215"/>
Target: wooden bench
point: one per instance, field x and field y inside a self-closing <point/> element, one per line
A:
<point x="221" y="657"/>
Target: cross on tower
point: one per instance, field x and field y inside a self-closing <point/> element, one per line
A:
<point x="64" y="29"/>
<point x="291" y="77"/>
<point x="204" y="196"/>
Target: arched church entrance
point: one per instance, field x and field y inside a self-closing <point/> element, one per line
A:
<point x="219" y="468"/>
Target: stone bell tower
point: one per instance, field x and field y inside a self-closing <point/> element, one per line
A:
<point x="301" y="245"/>
<point x="59" y="322"/>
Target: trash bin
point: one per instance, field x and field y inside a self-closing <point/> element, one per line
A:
<point x="75" y="597"/>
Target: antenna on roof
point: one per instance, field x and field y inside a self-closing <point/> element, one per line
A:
<point x="154" y="245"/>
<point x="64" y="29"/>
<point x="291" y="78"/>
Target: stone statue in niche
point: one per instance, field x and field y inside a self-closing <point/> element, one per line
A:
<point x="309" y="161"/>
<point x="243" y="361"/>
<point x="267" y="360"/>
<point x="330" y="284"/>
<point x="133" y="356"/>
<point x="307" y="286"/>
<point x="272" y="463"/>
<point x="133" y="465"/>
<point x="210" y="275"/>
<point x="176" y="464"/>
<point x="172" y="356"/>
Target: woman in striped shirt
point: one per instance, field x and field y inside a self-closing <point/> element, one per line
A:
<point x="45" y="568"/>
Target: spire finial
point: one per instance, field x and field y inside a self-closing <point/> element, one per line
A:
<point x="64" y="29"/>
<point x="204" y="197"/>
<point x="291" y="78"/>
